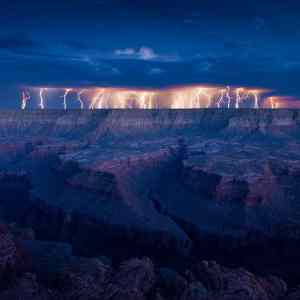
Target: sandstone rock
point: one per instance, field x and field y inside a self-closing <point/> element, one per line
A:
<point x="201" y="182"/>
<point x="101" y="183"/>
<point x="231" y="190"/>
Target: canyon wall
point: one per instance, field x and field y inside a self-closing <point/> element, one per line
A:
<point x="96" y="124"/>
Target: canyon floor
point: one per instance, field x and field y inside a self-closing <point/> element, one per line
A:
<point x="150" y="204"/>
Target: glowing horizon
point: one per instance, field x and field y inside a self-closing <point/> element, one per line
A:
<point x="176" y="97"/>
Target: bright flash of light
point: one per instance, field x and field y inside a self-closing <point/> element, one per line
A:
<point x="177" y="97"/>
<point x="67" y="91"/>
<point x="95" y="98"/>
<point x="42" y="98"/>
<point x="122" y="98"/>
<point x="273" y="103"/>
<point x="238" y="97"/>
<point x="221" y="98"/>
<point x="228" y="97"/>
<point x="25" y="99"/>
<point x="205" y="93"/>
<point x="79" y="94"/>
<point x="256" y="99"/>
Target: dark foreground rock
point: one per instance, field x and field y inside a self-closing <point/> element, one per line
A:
<point x="54" y="273"/>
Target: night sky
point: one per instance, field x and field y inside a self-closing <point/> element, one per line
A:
<point x="155" y="43"/>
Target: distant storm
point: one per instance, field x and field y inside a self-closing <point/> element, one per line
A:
<point x="178" y="97"/>
<point x="129" y="53"/>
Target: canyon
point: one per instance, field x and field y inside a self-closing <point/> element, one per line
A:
<point x="182" y="187"/>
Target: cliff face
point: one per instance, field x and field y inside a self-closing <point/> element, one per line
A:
<point x="96" y="124"/>
<point x="98" y="179"/>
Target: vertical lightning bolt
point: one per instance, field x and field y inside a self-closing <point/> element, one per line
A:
<point x="255" y="95"/>
<point x="228" y="97"/>
<point x="221" y="98"/>
<point x="238" y="97"/>
<point x="25" y="99"/>
<point x="101" y="101"/>
<point x="273" y="103"/>
<point x="96" y="99"/>
<point x="42" y="98"/>
<point x="143" y="103"/>
<point x="67" y="91"/>
<point x="79" y="94"/>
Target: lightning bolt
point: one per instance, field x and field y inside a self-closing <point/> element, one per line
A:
<point x="101" y="99"/>
<point x="221" y="98"/>
<point x="67" y="91"/>
<point x="238" y="97"/>
<point x="255" y="95"/>
<point x="42" y="98"/>
<point x="96" y="99"/>
<point x="25" y="99"/>
<point x="177" y="97"/>
<point x="228" y="97"/>
<point x="274" y="104"/>
<point x="146" y="100"/>
<point x="80" y="99"/>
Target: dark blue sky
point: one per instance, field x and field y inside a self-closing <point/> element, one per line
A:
<point x="149" y="43"/>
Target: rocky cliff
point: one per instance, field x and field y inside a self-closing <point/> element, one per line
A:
<point x="97" y="124"/>
<point x="216" y="184"/>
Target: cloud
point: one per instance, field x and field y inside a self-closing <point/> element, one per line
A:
<point x="144" y="53"/>
<point x="125" y="52"/>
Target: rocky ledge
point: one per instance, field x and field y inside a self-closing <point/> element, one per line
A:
<point x="40" y="270"/>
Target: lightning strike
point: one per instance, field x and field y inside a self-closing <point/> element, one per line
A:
<point x="42" y="98"/>
<point x="79" y="94"/>
<point x="238" y="97"/>
<point x="255" y="95"/>
<point x="96" y="99"/>
<point x="67" y="91"/>
<point x="25" y="99"/>
<point x="221" y="98"/>
<point x="186" y="97"/>
<point x="272" y="102"/>
<point x="228" y="96"/>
